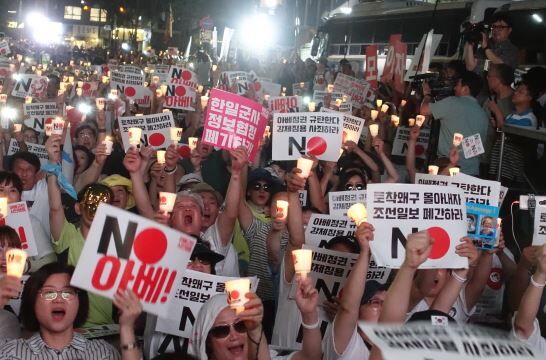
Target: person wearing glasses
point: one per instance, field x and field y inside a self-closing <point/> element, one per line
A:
<point x="51" y="309"/>
<point x="498" y="49"/>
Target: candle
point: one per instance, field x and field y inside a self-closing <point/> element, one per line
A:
<point x="109" y="144"/>
<point x="104" y="79"/>
<point x="80" y="84"/>
<point x="403" y="103"/>
<point x="267" y="131"/>
<point x="374" y="129"/>
<point x="28" y="99"/>
<point x="79" y="91"/>
<point x="374" y="114"/>
<point x="302" y="84"/>
<point x="176" y="134"/>
<point x="237" y="290"/>
<point x="166" y="201"/>
<point x="411" y="122"/>
<point x="384" y="108"/>
<point x="200" y="89"/>
<point x="134" y="136"/>
<point x="114" y="93"/>
<point x="302" y="258"/>
<point x="457" y="139"/>
<point x="266" y="97"/>
<point x="100" y="103"/>
<point x="282" y="209"/>
<point x="161" y="156"/>
<point x="214" y="67"/>
<point x="17" y="127"/>
<point x="58" y="126"/>
<point x="338" y="102"/>
<point x="192" y="143"/>
<point x="16" y="260"/>
<point x="158" y="92"/>
<point x="433" y="169"/>
<point x="3" y="207"/>
<point x="3" y="98"/>
<point x="204" y="101"/>
<point x="305" y="165"/>
<point x="163" y="89"/>
<point x="311" y="106"/>
<point x="48" y="128"/>
<point x="454" y="171"/>
<point x="395" y="120"/>
<point x="358" y="213"/>
<point x="330" y="88"/>
<point x="378" y="102"/>
<point x="71" y="79"/>
<point x="419" y="120"/>
<point x="155" y="80"/>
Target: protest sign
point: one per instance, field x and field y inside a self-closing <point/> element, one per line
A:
<point x="319" y="95"/>
<point x="127" y="251"/>
<point x="397" y="210"/>
<point x="5" y="70"/>
<point x="420" y="63"/>
<point x="340" y="201"/>
<point x="477" y="190"/>
<point x="162" y="71"/>
<point x="180" y="97"/>
<point x="319" y="82"/>
<point x="359" y="90"/>
<point x="285" y="104"/>
<point x="232" y="121"/>
<point x="264" y="87"/>
<point x="4" y="48"/>
<point x="236" y="80"/>
<point x="180" y="76"/>
<point x="89" y="88"/>
<point x="395" y="64"/>
<point x="425" y="341"/>
<point x="29" y="85"/>
<point x="299" y="89"/>
<point x="15" y="302"/>
<point x="482" y="225"/>
<point x="18" y="218"/>
<point x="99" y="331"/>
<point x="187" y="298"/>
<point x="539" y="233"/>
<point x="119" y="80"/>
<point x="371" y="74"/>
<point x="472" y="146"/>
<point x="36" y="149"/>
<point x="400" y="143"/>
<point x="352" y="126"/>
<point x="155" y="129"/>
<point x="297" y="134"/>
<point x="36" y="114"/>
<point x="502" y="194"/>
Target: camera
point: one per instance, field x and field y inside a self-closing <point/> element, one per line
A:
<point x="472" y="33"/>
<point x="439" y="87"/>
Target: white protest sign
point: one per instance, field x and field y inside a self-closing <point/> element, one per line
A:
<point x="99" y="331"/>
<point x="162" y="71"/>
<point x="130" y="69"/>
<point x="36" y="114"/>
<point x="345" y="107"/>
<point x="180" y="76"/>
<point x="4" y="48"/>
<point x="340" y="201"/>
<point x="319" y="95"/>
<point x="539" y="233"/>
<point x="127" y="251"/>
<point x="425" y="341"/>
<point x="477" y="190"/>
<point x="30" y="85"/>
<point x="193" y="290"/>
<point x="397" y="210"/>
<point x="118" y="79"/>
<point x="18" y="218"/>
<point x="299" y="89"/>
<point x="89" y="88"/>
<point x="297" y="134"/>
<point x="238" y="79"/>
<point x="421" y="62"/>
<point x="472" y="146"/>
<point x="400" y="143"/>
<point x="155" y="129"/>
<point x="180" y="97"/>
<point x="265" y="87"/>
<point x="352" y="126"/>
<point x="285" y="104"/>
<point x="36" y="149"/>
<point x="359" y="90"/>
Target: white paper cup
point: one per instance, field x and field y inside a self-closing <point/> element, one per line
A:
<point x="15" y="262"/>
<point x="374" y="129"/>
<point x="71" y="79"/>
<point x="419" y="120"/>
<point x="58" y="126"/>
<point x="395" y="120"/>
<point x="100" y="103"/>
<point x="176" y="134"/>
<point x="311" y="106"/>
<point x="17" y="127"/>
<point x="282" y="209"/>
<point x="109" y="144"/>
<point x="457" y="139"/>
<point x="48" y="128"/>
<point x="339" y="102"/>
<point x="163" y="89"/>
<point x="403" y="103"/>
<point x="454" y="171"/>
<point x="266" y="97"/>
<point x="302" y="258"/>
<point x="305" y="165"/>
<point x="134" y="135"/>
<point x="3" y="98"/>
<point x="237" y="290"/>
<point x="192" y="142"/>
<point x="330" y="88"/>
<point x="79" y="91"/>
<point x="384" y="108"/>
<point x="358" y="213"/>
<point x="3" y="207"/>
<point x="28" y="99"/>
<point x="378" y="102"/>
<point x="161" y="156"/>
<point x="204" y="101"/>
<point x="166" y="201"/>
<point x="411" y="122"/>
<point x="433" y="169"/>
<point x="374" y="114"/>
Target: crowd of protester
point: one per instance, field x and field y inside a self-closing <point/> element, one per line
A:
<point x="229" y="205"/>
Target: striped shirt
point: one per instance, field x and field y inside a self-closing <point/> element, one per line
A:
<point x="36" y="349"/>
<point x="526" y="118"/>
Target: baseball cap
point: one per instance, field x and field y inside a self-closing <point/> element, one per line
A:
<point x="202" y="251"/>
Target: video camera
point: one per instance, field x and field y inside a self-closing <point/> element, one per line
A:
<point x="438" y="87"/>
<point x="472" y="33"/>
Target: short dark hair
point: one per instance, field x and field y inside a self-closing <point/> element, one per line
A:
<point x="30" y="158"/>
<point x="502" y="16"/>
<point x="458" y="66"/>
<point x="30" y="294"/>
<point x="8" y="177"/>
<point x="88" y="153"/>
<point x="473" y="81"/>
<point x="87" y="126"/>
<point x="346" y="175"/>
<point x="504" y="72"/>
<point x="9" y="237"/>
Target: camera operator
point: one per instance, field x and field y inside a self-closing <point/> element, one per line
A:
<point x="498" y="49"/>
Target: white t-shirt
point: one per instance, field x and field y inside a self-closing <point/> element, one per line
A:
<point x="42" y="238"/>
<point x="356" y="348"/>
<point x="535" y="340"/>
<point x="230" y="265"/>
<point x="156" y="343"/>
<point x="37" y="200"/>
<point x="459" y="311"/>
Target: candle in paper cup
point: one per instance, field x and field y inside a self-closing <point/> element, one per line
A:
<point x="305" y="166"/>
<point x="109" y="144"/>
<point x="395" y="120"/>
<point x="302" y="258"/>
<point x="166" y="201"/>
<point x="267" y="131"/>
<point x="17" y="127"/>
<point x="419" y="120"/>
<point x="104" y="79"/>
<point x="176" y="134"/>
<point x="311" y="106"/>
<point x="155" y="79"/>
<point x="114" y="93"/>
<point x="379" y="102"/>
<point x="411" y="122"/>
<point x="374" y="114"/>
<point x="48" y="128"/>
<point x="79" y="91"/>
<point x="384" y="108"/>
<point x="192" y="143"/>
<point x="345" y="98"/>
<point x="163" y="89"/>
<point x="282" y="209"/>
<point x="100" y="103"/>
<point x="200" y="89"/>
<point x="358" y="213"/>
<point x="433" y="169"/>
<point x="161" y="156"/>
<point x="80" y="84"/>
<point x="158" y="92"/>
<point x="374" y="129"/>
<point x="3" y="207"/>
<point x="403" y="103"/>
<point x="16" y="259"/>
<point x="28" y="99"/>
<point x="266" y="97"/>
<point x="237" y="290"/>
<point x="134" y="135"/>
<point x="214" y="67"/>
<point x="302" y="85"/>
<point x="457" y="139"/>
<point x="330" y="88"/>
<point x="339" y="102"/>
<point x="58" y="126"/>
<point x="39" y="72"/>
<point x="283" y="94"/>
<point x="204" y="101"/>
<point x="454" y="171"/>
<point x="71" y="79"/>
<point x="3" y="98"/>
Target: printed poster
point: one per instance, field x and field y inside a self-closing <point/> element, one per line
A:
<point x="340" y="201"/>
<point x="36" y="114"/>
<point x="482" y="225"/>
<point x="30" y="85"/>
<point x="400" y="143"/>
<point x="155" y="129"/>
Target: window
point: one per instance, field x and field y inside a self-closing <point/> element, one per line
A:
<point x="98" y="15"/>
<point x="73" y="12"/>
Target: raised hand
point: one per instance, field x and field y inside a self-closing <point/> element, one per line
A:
<point x="53" y="148"/>
<point x="418" y="248"/>
<point x="294" y="181"/>
<point x="253" y="313"/>
<point x="132" y="160"/>
<point x="364" y="234"/>
<point x="9" y="288"/>
<point x="239" y="158"/>
<point x="129" y="307"/>
<point x="306" y="295"/>
<point x="467" y="249"/>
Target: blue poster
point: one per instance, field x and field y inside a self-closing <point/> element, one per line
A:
<point x="482" y="225"/>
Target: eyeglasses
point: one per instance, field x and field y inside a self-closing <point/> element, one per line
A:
<point x="375" y="302"/>
<point x="264" y="187"/>
<point x="499" y="27"/>
<point x="221" y="331"/>
<point x="354" y="187"/>
<point x="50" y="295"/>
<point x="200" y="261"/>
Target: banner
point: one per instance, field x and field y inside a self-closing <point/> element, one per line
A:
<point x="427" y="341"/>
<point x="539" y="233"/>
<point x="119" y="79"/>
<point x="180" y="97"/>
<point x="397" y="210"/>
<point x="29" y="85"/>
<point x="36" y="149"/>
<point x="232" y="121"/>
<point x="285" y="104"/>
<point x="191" y="292"/>
<point x="395" y="64"/>
<point x="4" y="48"/>
<point x="400" y="143"/>
<point x="127" y="251"/>
<point x="155" y="129"/>
<point x="340" y="201"/>
<point x="36" y="114"/>
<point x="359" y="90"/>
<point x="482" y="225"/>
<point x="477" y="190"/>
<point x="297" y="134"/>
<point x="371" y="74"/>
<point x="352" y="126"/>
<point x="18" y="218"/>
